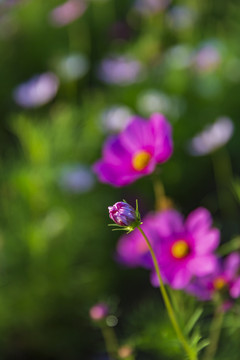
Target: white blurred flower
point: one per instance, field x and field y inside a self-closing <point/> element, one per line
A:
<point x="76" y="179"/>
<point x="73" y="66"/>
<point x="37" y="91"/>
<point x="116" y="118"/>
<point x="151" y="101"/>
<point x="67" y="12"/>
<point x="212" y="137"/>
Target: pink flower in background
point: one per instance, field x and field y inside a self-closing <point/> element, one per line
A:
<point x="212" y="137"/>
<point x="37" y="91"/>
<point x="225" y="279"/>
<point x="98" y="311"/>
<point x="132" y="249"/>
<point x="67" y="12"/>
<point x="120" y="70"/>
<point x="185" y="249"/>
<point x="136" y="151"/>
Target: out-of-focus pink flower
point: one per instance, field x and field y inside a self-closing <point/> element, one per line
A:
<point x="132" y="249"/>
<point x="120" y="70"/>
<point x="37" y="91"/>
<point x="185" y="249"/>
<point x="67" y="12"/>
<point x="98" y="311"/>
<point x="151" y="6"/>
<point x="224" y="279"/>
<point x="212" y="137"/>
<point x="207" y="58"/>
<point x="136" y="151"/>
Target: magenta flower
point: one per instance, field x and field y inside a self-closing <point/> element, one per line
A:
<point x="185" y="249"/>
<point x="136" y="151"/>
<point x="224" y="279"/>
<point x="98" y="311"/>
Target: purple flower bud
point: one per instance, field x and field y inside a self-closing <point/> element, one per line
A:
<point x="98" y="311"/>
<point x="122" y="214"/>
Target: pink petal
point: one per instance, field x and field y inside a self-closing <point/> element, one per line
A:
<point x="206" y="242"/>
<point x="235" y="289"/>
<point x="198" y="221"/>
<point x="162" y="134"/>
<point x="169" y="223"/>
<point x="114" y="152"/>
<point x="232" y="264"/>
<point x="137" y="136"/>
<point x="114" y="175"/>
<point x="203" y="265"/>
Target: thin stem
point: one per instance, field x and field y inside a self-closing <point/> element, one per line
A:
<point x="162" y="201"/>
<point x="214" y="335"/>
<point x="168" y="305"/>
<point x="110" y="342"/>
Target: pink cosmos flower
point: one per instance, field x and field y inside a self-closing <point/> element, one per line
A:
<point x="225" y="279"/>
<point x="136" y="151"/>
<point x="185" y="249"/>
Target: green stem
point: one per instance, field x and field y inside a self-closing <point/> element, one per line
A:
<point x="162" y="201"/>
<point x="187" y="348"/>
<point x="214" y="335"/>
<point x="110" y="342"/>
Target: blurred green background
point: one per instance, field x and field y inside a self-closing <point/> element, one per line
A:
<point x="56" y="252"/>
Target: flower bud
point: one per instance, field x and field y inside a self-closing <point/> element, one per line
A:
<point x="122" y="214"/>
<point x="98" y="312"/>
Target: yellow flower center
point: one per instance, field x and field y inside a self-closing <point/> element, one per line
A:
<point x="141" y="160"/>
<point x="219" y="283"/>
<point x="180" y="249"/>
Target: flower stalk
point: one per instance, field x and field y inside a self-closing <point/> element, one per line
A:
<point x="191" y="354"/>
<point x="214" y="335"/>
